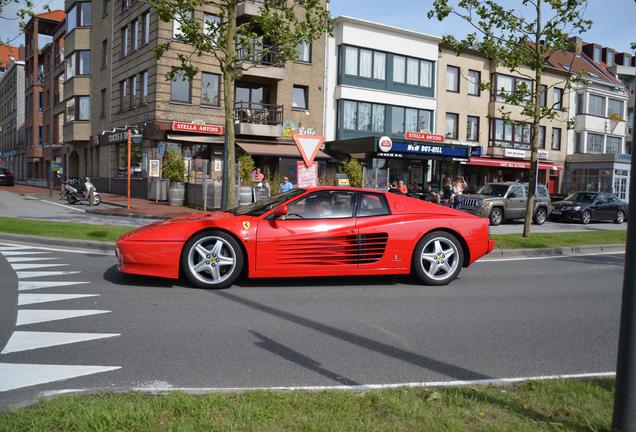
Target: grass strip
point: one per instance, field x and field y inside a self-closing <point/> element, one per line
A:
<point x="562" y="239"/>
<point x="62" y="229"/>
<point x="562" y="405"/>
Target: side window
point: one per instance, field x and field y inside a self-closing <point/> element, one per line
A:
<point x="372" y="205"/>
<point x="542" y="192"/>
<point x="612" y="199"/>
<point x="323" y="205"/>
<point x="516" y="192"/>
<point x="602" y="199"/>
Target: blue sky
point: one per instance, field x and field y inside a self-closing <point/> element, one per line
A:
<point x="615" y="29"/>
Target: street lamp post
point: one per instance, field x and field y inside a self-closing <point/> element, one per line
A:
<point x="625" y="395"/>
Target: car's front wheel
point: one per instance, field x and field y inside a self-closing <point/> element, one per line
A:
<point x="586" y="217"/>
<point x="212" y="259"/>
<point x="496" y="216"/>
<point x="620" y="217"/>
<point x="438" y="258"/>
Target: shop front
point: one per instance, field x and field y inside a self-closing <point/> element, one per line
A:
<point x="599" y="173"/>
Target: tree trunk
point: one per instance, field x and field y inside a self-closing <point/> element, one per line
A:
<point x="229" y="77"/>
<point x="536" y="118"/>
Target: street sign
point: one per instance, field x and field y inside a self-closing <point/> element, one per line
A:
<point x="161" y="149"/>
<point x="308" y="146"/>
<point x="136" y="138"/>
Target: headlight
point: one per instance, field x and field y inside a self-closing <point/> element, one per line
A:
<point x="576" y="208"/>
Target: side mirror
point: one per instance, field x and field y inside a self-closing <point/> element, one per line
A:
<point x="281" y="211"/>
<point x="512" y="195"/>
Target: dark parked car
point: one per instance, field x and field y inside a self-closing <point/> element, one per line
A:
<point x="6" y="177"/>
<point x="588" y="206"/>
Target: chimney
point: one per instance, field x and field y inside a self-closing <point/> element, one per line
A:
<point x="577" y="45"/>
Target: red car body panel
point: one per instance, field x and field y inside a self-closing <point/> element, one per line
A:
<point x="309" y="247"/>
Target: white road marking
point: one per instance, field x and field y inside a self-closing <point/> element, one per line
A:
<point x="548" y="257"/>
<point x="35" y="266"/>
<point x="58" y="204"/>
<point x="12" y="247"/>
<point x="77" y="251"/>
<point x="28" y="259"/>
<point x="30" y="285"/>
<point x="18" y="253"/>
<point x="32" y="316"/>
<point x="26" y="340"/>
<point x="15" y="375"/>
<point x="27" y="299"/>
<point x="32" y="274"/>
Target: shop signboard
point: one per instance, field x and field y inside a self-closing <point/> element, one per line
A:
<point x="307" y="175"/>
<point x="342" y="179"/>
<point x="515" y="153"/>
<point x="197" y="128"/>
<point x="543" y="154"/>
<point x="398" y="149"/>
<point x="154" y="168"/>
<point x="423" y="136"/>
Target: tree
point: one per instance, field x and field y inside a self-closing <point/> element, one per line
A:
<point x="25" y="9"/>
<point x="238" y="46"/>
<point x="516" y="39"/>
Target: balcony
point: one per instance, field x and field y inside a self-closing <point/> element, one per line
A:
<point x="248" y="8"/>
<point x="260" y="62"/>
<point x="258" y="119"/>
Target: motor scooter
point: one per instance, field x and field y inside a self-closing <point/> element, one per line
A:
<point x="79" y="189"/>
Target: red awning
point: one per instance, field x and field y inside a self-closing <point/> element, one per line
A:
<point x="507" y="163"/>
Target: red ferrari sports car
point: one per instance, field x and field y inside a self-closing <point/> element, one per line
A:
<point x="323" y="231"/>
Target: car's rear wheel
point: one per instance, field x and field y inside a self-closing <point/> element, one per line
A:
<point x="540" y="216"/>
<point x="620" y="217"/>
<point x="586" y="217"/>
<point x="212" y="259"/>
<point x="438" y="258"/>
<point x="496" y="216"/>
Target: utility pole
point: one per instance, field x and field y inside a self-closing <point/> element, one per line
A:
<point x="625" y="395"/>
<point x="129" y="145"/>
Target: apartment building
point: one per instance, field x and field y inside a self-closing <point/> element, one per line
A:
<point x="382" y="101"/>
<point x="474" y="117"/>
<point x="128" y="89"/>
<point x="38" y="31"/>
<point x="597" y="159"/>
<point x="12" y="116"/>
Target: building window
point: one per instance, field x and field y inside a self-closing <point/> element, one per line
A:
<point x="70" y="67"/>
<point x="124" y="4"/>
<point x="364" y="116"/>
<point x="84" y="63"/>
<point x="615" y="107"/>
<point x="452" y="79"/>
<point x="543" y="97"/>
<point x="123" y="95"/>
<point x="135" y="35"/>
<point x="349" y="115"/>
<point x="78" y="108"/>
<point x="146" y="29"/>
<point x="102" y="105"/>
<point x="180" y="89"/>
<point x="144" y="84"/>
<point x="379" y="65"/>
<point x="104" y="52"/>
<point x="452" y="123"/>
<point x="474" y="78"/>
<point x="304" y="52"/>
<point x="40" y="101"/>
<point x="412" y="71"/>
<point x="613" y="145"/>
<point x="594" y="143"/>
<point x="578" y="143"/>
<point x="397" y="120"/>
<point x="78" y="16"/>
<point x="610" y="58"/>
<point x="377" y="124"/>
<point x="366" y="63"/>
<point x="503" y="132"/>
<point x="209" y="89"/>
<point x="134" y="91"/>
<point x="211" y="24"/>
<point x="105" y="7"/>
<point x="300" y="98"/>
<point x="176" y="25"/>
<point x="556" y="138"/>
<point x="39" y="135"/>
<point x="557" y="98"/>
<point x="351" y="61"/>
<point x="541" y="143"/>
<point x="124" y="41"/>
<point x="597" y="54"/>
<point x="399" y="69"/>
<point x="580" y="103"/>
<point x="522" y="136"/>
<point x="596" y="105"/>
<point x="472" y="128"/>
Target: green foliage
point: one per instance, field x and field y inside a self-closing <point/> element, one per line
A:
<point x="353" y="168"/>
<point x="274" y="179"/>
<point x="246" y="166"/>
<point x="62" y="229"/>
<point x="173" y="167"/>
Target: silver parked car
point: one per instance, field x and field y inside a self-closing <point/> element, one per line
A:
<point x="506" y="201"/>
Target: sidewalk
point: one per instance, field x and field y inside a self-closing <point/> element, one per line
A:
<point x="139" y="207"/>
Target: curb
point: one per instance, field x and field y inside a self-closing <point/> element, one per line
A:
<point x="127" y="215"/>
<point x="100" y="246"/>
<point x="497" y="253"/>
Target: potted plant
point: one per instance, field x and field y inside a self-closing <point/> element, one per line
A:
<point x="246" y="166"/>
<point x="174" y="172"/>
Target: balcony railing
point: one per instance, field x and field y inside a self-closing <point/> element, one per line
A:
<point x="265" y="55"/>
<point x="256" y="113"/>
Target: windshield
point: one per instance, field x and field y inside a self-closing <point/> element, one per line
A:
<point x="493" y="190"/>
<point x="582" y="197"/>
<point x="261" y="207"/>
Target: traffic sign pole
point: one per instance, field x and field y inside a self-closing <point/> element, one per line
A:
<point x="129" y="146"/>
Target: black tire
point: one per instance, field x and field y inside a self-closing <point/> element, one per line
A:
<point x="70" y="199"/>
<point x="540" y="216"/>
<point x="97" y="200"/>
<point x="496" y="216"/>
<point x="229" y="243"/>
<point x="620" y="217"/>
<point x="454" y="262"/>
<point x="586" y="217"/>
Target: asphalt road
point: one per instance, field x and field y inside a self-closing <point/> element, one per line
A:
<point x="499" y="319"/>
<point x="54" y="209"/>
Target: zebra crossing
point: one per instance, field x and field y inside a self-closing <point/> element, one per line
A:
<point x="38" y="274"/>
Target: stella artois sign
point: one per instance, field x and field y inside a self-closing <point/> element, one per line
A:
<point x="197" y="128"/>
<point x="422" y="136"/>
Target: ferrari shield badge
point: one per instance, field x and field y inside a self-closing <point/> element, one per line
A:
<point x="246" y="225"/>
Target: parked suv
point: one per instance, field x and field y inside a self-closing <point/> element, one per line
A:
<point x="506" y="201"/>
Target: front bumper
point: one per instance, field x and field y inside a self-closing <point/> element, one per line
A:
<point x="149" y="258"/>
<point x="565" y="214"/>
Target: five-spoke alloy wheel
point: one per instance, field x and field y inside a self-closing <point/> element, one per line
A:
<point x="212" y="259"/>
<point x="438" y="258"/>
